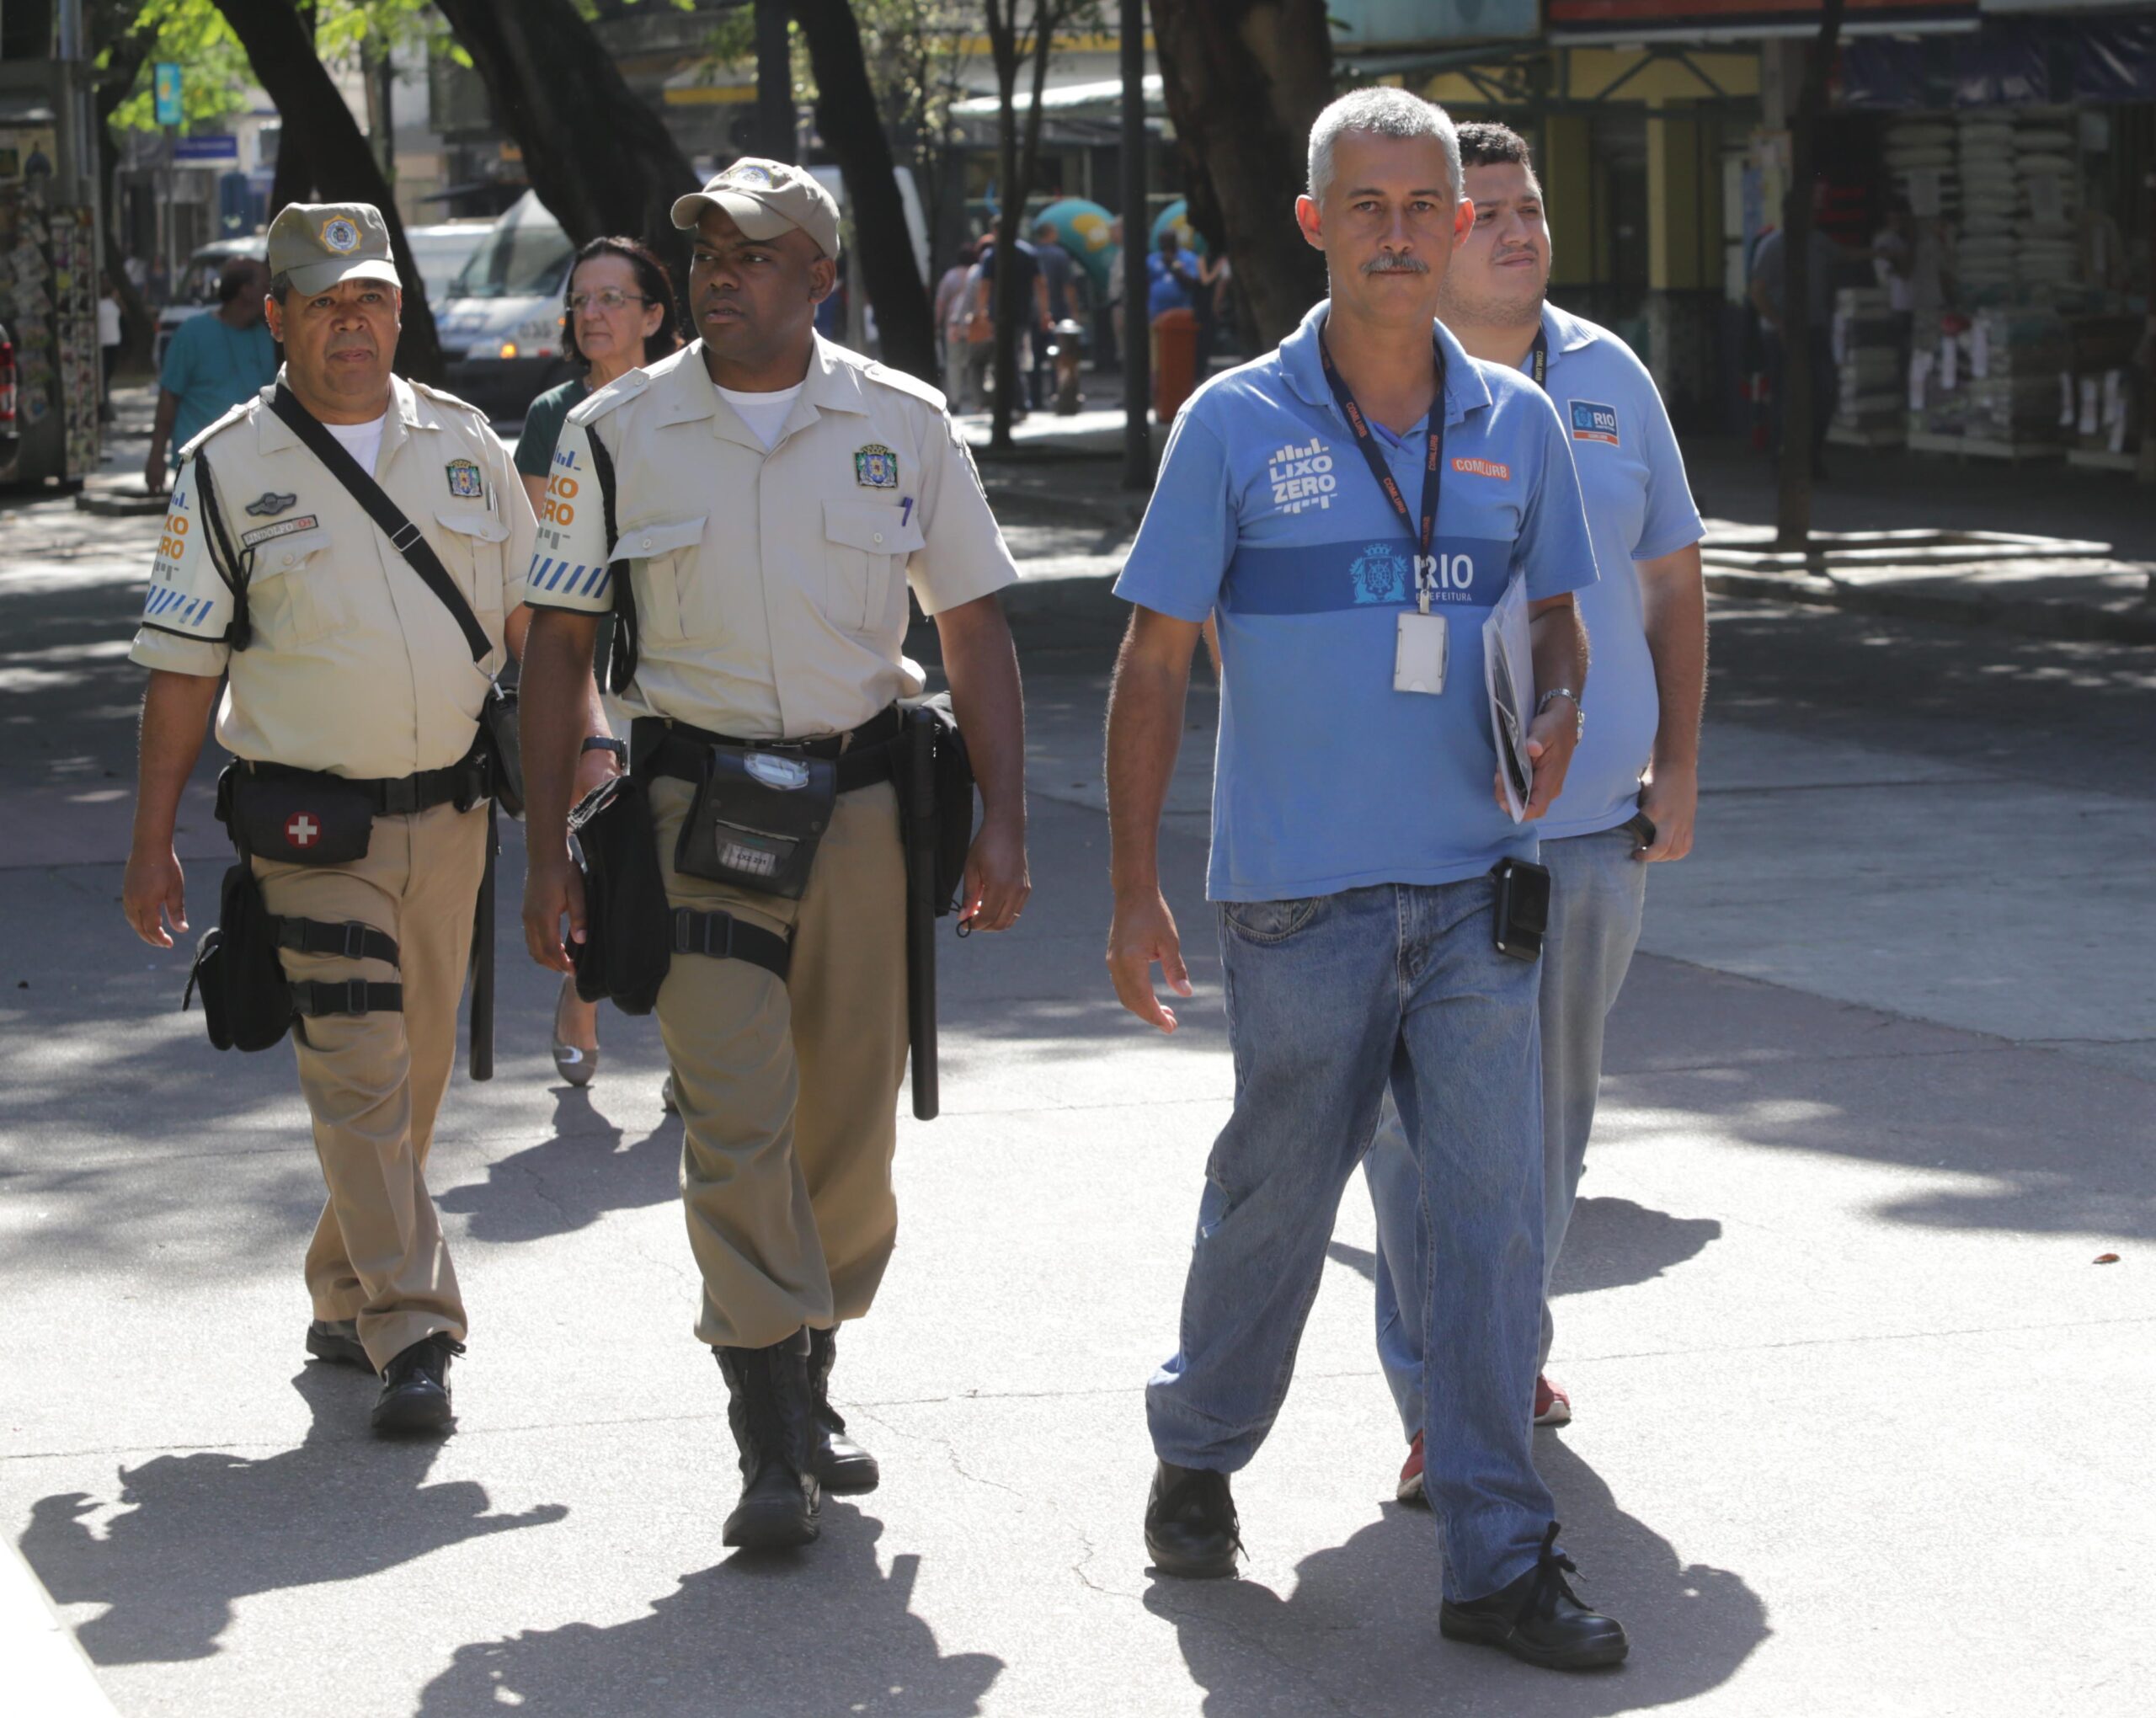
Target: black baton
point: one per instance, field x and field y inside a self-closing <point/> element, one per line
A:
<point x="918" y="821"/>
<point x="483" y="964"/>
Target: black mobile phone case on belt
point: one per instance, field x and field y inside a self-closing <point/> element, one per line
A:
<point x="757" y="820"/>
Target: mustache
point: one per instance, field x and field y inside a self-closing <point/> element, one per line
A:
<point x="1396" y="263"/>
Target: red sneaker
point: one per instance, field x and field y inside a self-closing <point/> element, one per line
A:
<point x="1552" y="1407"/>
<point x="1409" y="1489"/>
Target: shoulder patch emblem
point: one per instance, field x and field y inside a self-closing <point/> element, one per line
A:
<point x="875" y="466"/>
<point x="341" y="234"/>
<point x="464" y="480"/>
<point x="270" y="504"/>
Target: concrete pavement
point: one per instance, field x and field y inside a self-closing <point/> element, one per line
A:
<point x="1855" y="1404"/>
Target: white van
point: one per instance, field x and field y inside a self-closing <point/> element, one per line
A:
<point x="501" y="322"/>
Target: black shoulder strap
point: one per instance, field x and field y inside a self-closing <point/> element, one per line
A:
<point x="239" y="631"/>
<point x="622" y="663"/>
<point x="403" y="535"/>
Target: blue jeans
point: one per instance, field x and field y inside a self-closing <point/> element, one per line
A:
<point x="1330" y="1000"/>
<point x="1598" y="891"/>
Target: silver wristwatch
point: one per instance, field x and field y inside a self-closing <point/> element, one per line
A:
<point x="1579" y="714"/>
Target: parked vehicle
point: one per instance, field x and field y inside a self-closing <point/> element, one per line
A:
<point x="196" y="291"/>
<point x="440" y="251"/>
<point x="501" y="324"/>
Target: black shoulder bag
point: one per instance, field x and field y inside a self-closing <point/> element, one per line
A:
<point x="499" y="718"/>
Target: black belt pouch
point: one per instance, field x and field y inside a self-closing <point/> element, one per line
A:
<point x="757" y="819"/>
<point x="628" y="940"/>
<point x="302" y="818"/>
<point x="246" y="1002"/>
<point x="504" y="741"/>
<point x="953" y="791"/>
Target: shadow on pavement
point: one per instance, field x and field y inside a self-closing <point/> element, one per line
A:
<point x="571" y="1180"/>
<point x="820" y="1632"/>
<point x="1612" y="1244"/>
<point x="208" y="1529"/>
<point x="1359" y="1632"/>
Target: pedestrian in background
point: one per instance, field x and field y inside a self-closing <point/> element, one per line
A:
<point x="778" y="498"/>
<point x="1030" y="296"/>
<point x="619" y="315"/>
<point x="1360" y="864"/>
<point x="215" y="361"/>
<point x="1646" y="613"/>
<point x="352" y="704"/>
<point x="111" y="331"/>
<point x="952" y="309"/>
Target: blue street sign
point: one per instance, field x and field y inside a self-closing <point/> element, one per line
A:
<point x="203" y="151"/>
<point x="165" y="81"/>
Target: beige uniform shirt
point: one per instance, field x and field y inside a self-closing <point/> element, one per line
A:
<point x="355" y="667"/>
<point x="770" y="588"/>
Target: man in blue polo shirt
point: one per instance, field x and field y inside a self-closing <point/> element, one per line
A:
<point x="1352" y="505"/>
<point x="1647" y="615"/>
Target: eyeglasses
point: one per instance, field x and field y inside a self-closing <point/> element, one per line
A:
<point x="613" y="298"/>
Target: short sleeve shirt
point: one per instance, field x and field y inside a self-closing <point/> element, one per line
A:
<point x="770" y="586"/>
<point x="212" y="366"/>
<point x="355" y="667"/>
<point x="1325" y="777"/>
<point x="542" y="426"/>
<point x="1639" y="508"/>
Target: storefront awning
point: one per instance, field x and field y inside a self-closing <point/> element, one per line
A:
<point x="1583" y="22"/>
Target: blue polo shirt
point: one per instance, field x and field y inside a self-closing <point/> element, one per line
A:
<point x="1325" y="778"/>
<point x="1639" y="508"/>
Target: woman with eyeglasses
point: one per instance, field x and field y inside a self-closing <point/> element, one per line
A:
<point x="621" y="315"/>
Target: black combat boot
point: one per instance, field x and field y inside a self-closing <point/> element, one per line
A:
<point x="774" y="1422"/>
<point x="1539" y="1619"/>
<point x="415" y="1388"/>
<point x="841" y="1464"/>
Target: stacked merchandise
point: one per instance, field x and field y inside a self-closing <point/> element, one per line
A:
<point x="1920" y="155"/>
<point x="26" y="305"/>
<point x="2015" y="358"/>
<point x="1991" y="205"/>
<point x="2098" y="396"/>
<point x="1938" y="383"/>
<point x="1867" y="351"/>
<point x="73" y="248"/>
<point x="2049" y="183"/>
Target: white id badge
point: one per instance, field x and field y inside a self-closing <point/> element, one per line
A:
<point x="1418" y="660"/>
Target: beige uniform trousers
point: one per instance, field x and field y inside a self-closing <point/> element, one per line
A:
<point x="374" y="1082"/>
<point x="788" y="1092"/>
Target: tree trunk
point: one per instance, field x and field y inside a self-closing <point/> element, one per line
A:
<point x="1793" y="503"/>
<point x="1244" y="79"/>
<point x="846" y="115"/>
<point x="602" y="160"/>
<point x="1014" y="164"/>
<point x="280" y="49"/>
<point x="138" y="322"/>
<point x="293" y="179"/>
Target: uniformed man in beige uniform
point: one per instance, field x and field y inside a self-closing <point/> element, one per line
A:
<point x="776" y="497"/>
<point x="354" y="669"/>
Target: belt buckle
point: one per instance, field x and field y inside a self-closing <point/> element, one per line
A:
<point x="356" y="937"/>
<point x="681" y="922"/>
<point x="355" y="997"/>
<point x="400" y="798"/>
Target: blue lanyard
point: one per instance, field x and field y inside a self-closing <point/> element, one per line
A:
<point x="1433" y="456"/>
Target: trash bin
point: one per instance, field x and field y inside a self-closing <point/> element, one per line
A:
<point x="1175" y="361"/>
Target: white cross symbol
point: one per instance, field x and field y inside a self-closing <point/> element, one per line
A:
<point x="302" y="831"/>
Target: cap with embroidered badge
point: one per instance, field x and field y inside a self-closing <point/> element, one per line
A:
<point x="763" y="199"/>
<point x="315" y="245"/>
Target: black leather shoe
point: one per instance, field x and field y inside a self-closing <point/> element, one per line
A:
<point x="1539" y="1619"/>
<point x="415" y="1388"/>
<point x="770" y="1408"/>
<point x="1190" y="1523"/>
<point x="841" y="1464"/>
<point x="337" y="1340"/>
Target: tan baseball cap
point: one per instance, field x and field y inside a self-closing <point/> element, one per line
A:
<point x="318" y="244"/>
<point x="765" y="198"/>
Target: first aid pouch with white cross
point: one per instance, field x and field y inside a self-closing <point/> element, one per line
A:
<point x="299" y="816"/>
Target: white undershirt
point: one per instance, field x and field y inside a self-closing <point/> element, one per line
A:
<point x="764" y="413"/>
<point x="363" y="441"/>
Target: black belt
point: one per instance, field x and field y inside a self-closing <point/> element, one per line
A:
<point x="723" y="937"/>
<point x="865" y="754"/>
<point x="351" y="939"/>
<point x="463" y="783"/>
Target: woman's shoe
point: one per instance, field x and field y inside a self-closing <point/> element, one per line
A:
<point x="574" y="1063"/>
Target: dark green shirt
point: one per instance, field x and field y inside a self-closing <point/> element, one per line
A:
<point x="542" y="426"/>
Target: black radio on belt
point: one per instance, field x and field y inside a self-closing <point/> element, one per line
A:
<point x="757" y="819"/>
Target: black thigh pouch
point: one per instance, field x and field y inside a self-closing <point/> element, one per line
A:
<point x="953" y="794"/>
<point x="246" y="1002"/>
<point x="757" y="820"/>
<point x="300" y="818"/>
<point x="628" y="941"/>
